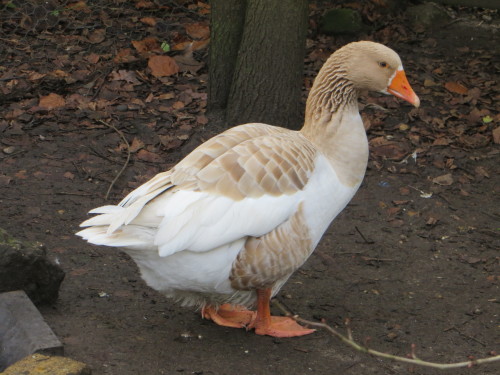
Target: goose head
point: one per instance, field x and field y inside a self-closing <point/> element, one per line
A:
<point x="375" y="67"/>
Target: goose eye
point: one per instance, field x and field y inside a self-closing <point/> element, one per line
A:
<point x="383" y="64"/>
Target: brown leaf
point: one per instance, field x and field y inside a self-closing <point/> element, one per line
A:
<point x="125" y="75"/>
<point x="52" y="101"/>
<point x="69" y="175"/>
<point x="444" y="180"/>
<point x="456" y="88"/>
<point x="400" y="202"/>
<point x="404" y="191"/>
<point x="124" y="56"/>
<point x="93" y="58"/>
<point x="162" y="66"/>
<point x="97" y="36"/>
<point x="150" y="21"/>
<point x="34" y="76"/>
<point x="393" y="210"/>
<point x="146" y="45"/>
<point x="59" y="73"/>
<point x="191" y="45"/>
<point x="431" y="221"/>
<point x="21" y="174"/>
<point x="178" y="105"/>
<point x="496" y="135"/>
<point x="474" y="141"/>
<point x="381" y="147"/>
<point x="136" y="145"/>
<point x="481" y="171"/>
<point x="166" y="96"/>
<point x="79" y="5"/>
<point x="148" y="156"/>
<point x="78" y="271"/>
<point x="170" y="142"/>
<point x="443" y="141"/>
<point x="197" y="30"/>
<point x="145" y="5"/>
<point x="187" y="62"/>
<point x="202" y="120"/>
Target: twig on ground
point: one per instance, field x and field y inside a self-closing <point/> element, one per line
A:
<point x="126" y="161"/>
<point x="369" y="242"/>
<point x="414" y="360"/>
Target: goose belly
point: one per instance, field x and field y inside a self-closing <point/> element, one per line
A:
<point x="193" y="278"/>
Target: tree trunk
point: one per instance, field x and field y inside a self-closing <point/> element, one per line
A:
<point x="226" y="28"/>
<point x="267" y="78"/>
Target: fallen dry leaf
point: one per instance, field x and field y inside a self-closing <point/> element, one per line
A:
<point x="97" y="36"/>
<point x="150" y="21"/>
<point x="456" y="88"/>
<point x="69" y="175"/>
<point x="404" y="191"/>
<point x="136" y="145"/>
<point x="481" y="171"/>
<point x="202" y="120"/>
<point x="431" y="221"/>
<point x="124" y="56"/>
<point x="145" y="5"/>
<point x="197" y="30"/>
<point x="21" y="174"/>
<point x="52" y="101"/>
<point x="148" y="156"/>
<point x="474" y="141"/>
<point x="125" y="75"/>
<point x="146" y="45"/>
<point x="391" y="150"/>
<point x="166" y="96"/>
<point x="93" y="58"/>
<point x="162" y="66"/>
<point x="178" y="105"/>
<point x="170" y="142"/>
<point x="187" y="62"/>
<point x="496" y="135"/>
<point x="445" y="180"/>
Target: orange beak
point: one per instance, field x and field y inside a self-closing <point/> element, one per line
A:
<point x="401" y="88"/>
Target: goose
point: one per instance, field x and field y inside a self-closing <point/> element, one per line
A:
<point x="226" y="227"/>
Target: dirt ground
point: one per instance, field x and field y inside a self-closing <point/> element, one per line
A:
<point x="414" y="259"/>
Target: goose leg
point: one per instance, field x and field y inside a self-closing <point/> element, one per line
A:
<point x="229" y="315"/>
<point x="276" y="326"/>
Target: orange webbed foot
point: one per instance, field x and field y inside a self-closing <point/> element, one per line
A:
<point x="276" y="326"/>
<point x="281" y="326"/>
<point x="227" y="315"/>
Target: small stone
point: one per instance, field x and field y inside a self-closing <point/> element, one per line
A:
<point x="121" y="107"/>
<point x="40" y="364"/>
<point x="9" y="150"/>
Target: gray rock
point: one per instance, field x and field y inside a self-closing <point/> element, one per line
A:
<point x="428" y="16"/>
<point x="25" y="266"/>
<point x="341" y="21"/>
<point x="23" y="330"/>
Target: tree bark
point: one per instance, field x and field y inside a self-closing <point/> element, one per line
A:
<point x="226" y="28"/>
<point x="267" y="78"/>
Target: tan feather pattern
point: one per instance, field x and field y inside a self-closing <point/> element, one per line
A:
<point x="272" y="257"/>
<point x="248" y="162"/>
